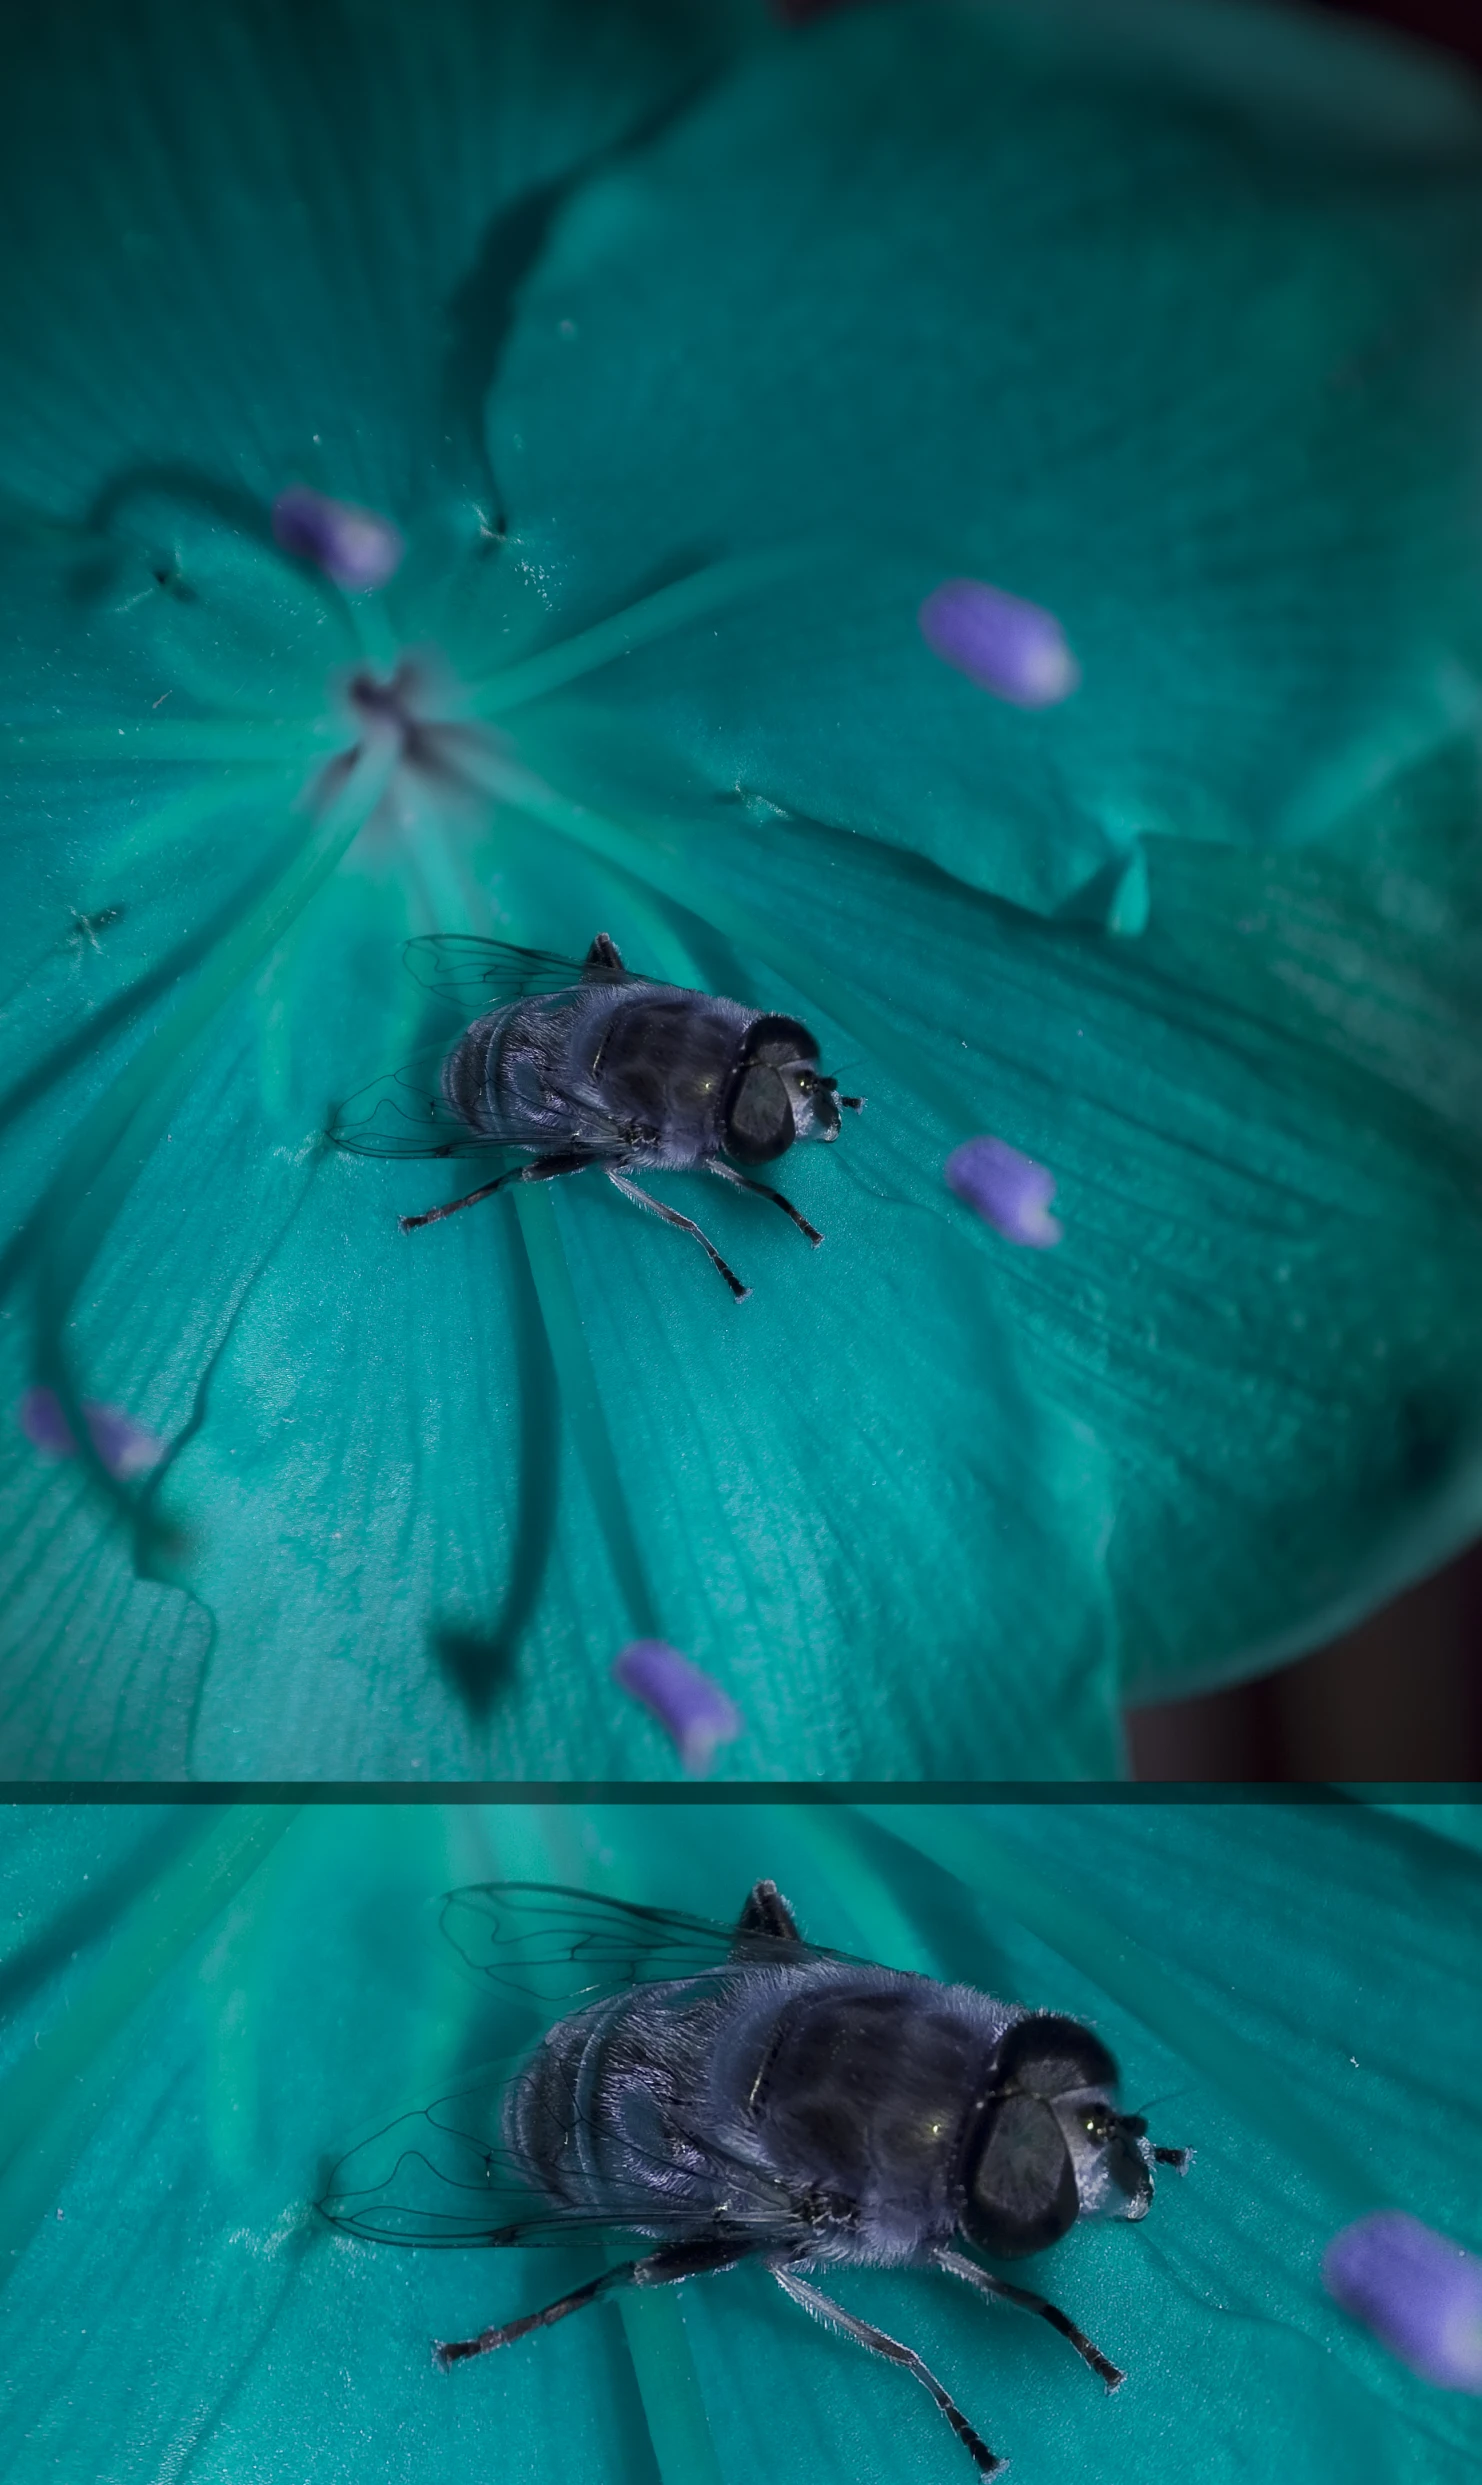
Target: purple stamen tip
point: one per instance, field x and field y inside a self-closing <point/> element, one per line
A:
<point x="693" y="1709"/>
<point x="124" y="1447"/>
<point x="354" y="547"/>
<point x="1011" y="1192"/>
<point x="1016" y="650"/>
<point x="1419" y="2292"/>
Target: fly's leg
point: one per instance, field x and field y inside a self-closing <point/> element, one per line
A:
<point x="767" y="1911"/>
<point x="544" y="1169"/>
<point x="686" y="1225"/>
<point x="601" y="959"/>
<point x="823" y="2308"/>
<point x="957" y="2265"/>
<point x="728" y="1173"/>
<point x="665" y="2267"/>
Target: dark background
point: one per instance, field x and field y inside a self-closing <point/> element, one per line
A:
<point x="1401" y="1697"/>
<point x="1455" y="24"/>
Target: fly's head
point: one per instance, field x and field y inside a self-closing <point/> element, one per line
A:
<point x="777" y="1094"/>
<point x="1049" y="2145"/>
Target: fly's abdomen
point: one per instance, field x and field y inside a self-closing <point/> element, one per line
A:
<point x="603" y="2116"/>
<point x="469" y="1072"/>
<point x="507" y="1075"/>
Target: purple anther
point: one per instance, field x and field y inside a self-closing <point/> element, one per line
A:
<point x="1016" y="650"/>
<point x="1011" y="1192"/>
<point x="354" y="547"/>
<point x="124" y="1447"/>
<point x="1417" y="2291"/>
<point x="686" y="1702"/>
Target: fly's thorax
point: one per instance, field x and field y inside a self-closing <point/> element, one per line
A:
<point x="854" y="2087"/>
<point x="661" y="1060"/>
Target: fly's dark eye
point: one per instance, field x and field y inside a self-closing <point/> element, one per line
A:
<point x="1097" y="2122"/>
<point x="778" y="1040"/>
<point x="1021" y="2188"/>
<point x="757" y="1122"/>
<point x="1048" y="2055"/>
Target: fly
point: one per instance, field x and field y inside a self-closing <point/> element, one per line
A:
<point x="584" y="1064"/>
<point x="734" y="2094"/>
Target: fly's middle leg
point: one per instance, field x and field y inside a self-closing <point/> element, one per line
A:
<point x="686" y="1225"/>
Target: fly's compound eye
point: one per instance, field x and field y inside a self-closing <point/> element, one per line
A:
<point x="1021" y="2187"/>
<point x="756" y="1122"/>
<point x="778" y="1041"/>
<point x="757" y="1117"/>
<point x="1022" y="2191"/>
<point x="1049" y="2056"/>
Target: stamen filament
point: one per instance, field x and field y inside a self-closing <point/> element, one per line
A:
<point x="175" y="739"/>
<point x="652" y="617"/>
<point x="118" y="1133"/>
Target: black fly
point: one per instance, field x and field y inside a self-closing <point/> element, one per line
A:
<point x="734" y="2094"/>
<point x="588" y="1065"/>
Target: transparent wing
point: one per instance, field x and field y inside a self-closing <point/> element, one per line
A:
<point x="442" y="2180"/>
<point x="443" y="2177"/>
<point x="480" y="975"/>
<point x="559" y="1949"/>
<point x="403" y="1114"/>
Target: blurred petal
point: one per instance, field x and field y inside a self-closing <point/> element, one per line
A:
<point x="1152" y="336"/>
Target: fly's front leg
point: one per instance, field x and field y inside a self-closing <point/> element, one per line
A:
<point x="957" y="2265"/>
<point x="763" y="1190"/>
<point x="823" y="2308"/>
<point x="666" y="2267"/>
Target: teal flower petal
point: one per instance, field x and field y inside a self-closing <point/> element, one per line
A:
<point x="421" y="1490"/>
<point x="280" y="244"/>
<point x="205" y="2010"/>
<point x="1172" y="354"/>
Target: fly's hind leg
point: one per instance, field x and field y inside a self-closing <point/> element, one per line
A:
<point x="672" y="2261"/>
<point x="957" y="2265"/>
<point x="767" y="1912"/>
<point x="686" y="1225"/>
<point x="823" y="2308"/>
<point x="763" y="1190"/>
